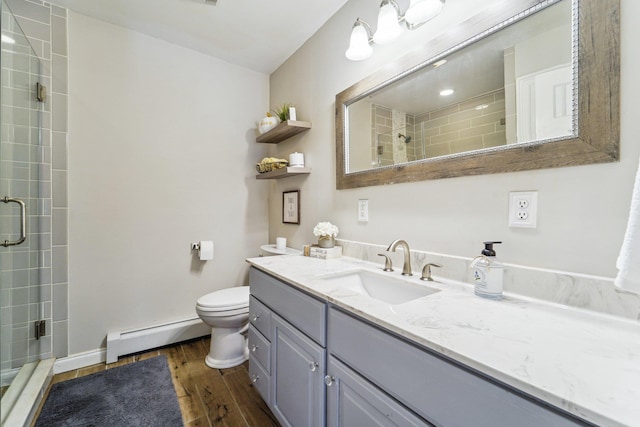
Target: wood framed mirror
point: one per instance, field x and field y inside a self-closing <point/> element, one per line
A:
<point x="447" y="139"/>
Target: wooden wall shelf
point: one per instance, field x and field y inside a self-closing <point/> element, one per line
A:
<point x="283" y="131"/>
<point x="283" y="173"/>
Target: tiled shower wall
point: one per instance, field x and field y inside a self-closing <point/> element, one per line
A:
<point x="473" y="124"/>
<point x="46" y="27"/>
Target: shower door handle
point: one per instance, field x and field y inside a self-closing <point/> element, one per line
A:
<point x="23" y="221"/>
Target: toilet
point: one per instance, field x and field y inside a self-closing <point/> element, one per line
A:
<point x="227" y="312"/>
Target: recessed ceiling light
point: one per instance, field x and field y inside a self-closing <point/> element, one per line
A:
<point x="482" y="107"/>
<point x="446" y="92"/>
<point x="439" y="63"/>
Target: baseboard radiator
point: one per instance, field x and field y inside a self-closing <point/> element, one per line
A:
<point x="120" y="343"/>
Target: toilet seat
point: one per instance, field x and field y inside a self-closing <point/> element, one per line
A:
<point x="225" y="300"/>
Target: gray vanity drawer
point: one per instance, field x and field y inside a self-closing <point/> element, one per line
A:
<point x="439" y="390"/>
<point x="260" y="379"/>
<point x="260" y="348"/>
<point x="260" y="317"/>
<point x="301" y="310"/>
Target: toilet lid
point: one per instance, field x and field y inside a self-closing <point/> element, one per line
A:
<point x="229" y="298"/>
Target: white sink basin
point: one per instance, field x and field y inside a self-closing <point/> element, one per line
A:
<point x="386" y="288"/>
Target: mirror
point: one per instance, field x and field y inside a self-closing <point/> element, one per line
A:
<point x="534" y="85"/>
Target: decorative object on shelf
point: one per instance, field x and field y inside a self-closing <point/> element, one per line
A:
<point x="296" y="160"/>
<point x="291" y="207"/>
<point x="267" y="123"/>
<point x="389" y="20"/>
<point x="271" y="163"/>
<point x="282" y="112"/>
<point x="326" y="234"/>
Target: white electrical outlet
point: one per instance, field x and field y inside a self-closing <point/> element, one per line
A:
<point x="523" y="209"/>
<point x="363" y="210"/>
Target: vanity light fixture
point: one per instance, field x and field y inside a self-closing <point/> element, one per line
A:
<point x="389" y="25"/>
<point x="360" y="44"/>
<point x="446" y="92"/>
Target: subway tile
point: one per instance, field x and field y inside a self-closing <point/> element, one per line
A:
<point x="467" y="144"/>
<point x="37" y="46"/>
<point x="29" y="10"/>
<point x="59" y="261"/>
<point x="478" y="100"/>
<point x="59" y="219"/>
<point x="20" y="296"/>
<point x="60" y="302"/>
<point x="446" y="111"/>
<point x="457" y="126"/>
<point x="34" y="29"/>
<point x="58" y="11"/>
<point x="488" y="118"/>
<point x="437" y="150"/>
<point x="446" y="137"/>
<point x="59" y="189"/>
<point x="59" y="73"/>
<point x="59" y="151"/>
<point x="479" y="130"/>
<point x="59" y="35"/>
<point x="60" y="339"/>
<point x="59" y="112"/>
<point x="494" y="139"/>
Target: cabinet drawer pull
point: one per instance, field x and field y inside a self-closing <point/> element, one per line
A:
<point x="255" y="317"/>
<point x="313" y="366"/>
<point x="329" y="380"/>
<point x="255" y="378"/>
<point x="254" y="348"/>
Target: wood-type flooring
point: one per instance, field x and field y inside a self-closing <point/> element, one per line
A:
<point x="207" y="397"/>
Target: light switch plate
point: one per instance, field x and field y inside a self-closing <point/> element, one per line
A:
<point x="363" y="210"/>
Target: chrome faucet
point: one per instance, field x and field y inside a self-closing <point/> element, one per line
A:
<point x="406" y="268"/>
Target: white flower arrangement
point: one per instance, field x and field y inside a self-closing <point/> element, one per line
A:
<point x="325" y="229"/>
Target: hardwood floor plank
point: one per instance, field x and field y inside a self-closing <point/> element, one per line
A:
<point x="207" y="397"/>
<point x="255" y="410"/>
<point x="190" y="404"/>
<point x="92" y="369"/>
<point x="221" y="408"/>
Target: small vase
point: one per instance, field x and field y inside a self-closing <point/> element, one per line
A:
<point x="326" y="241"/>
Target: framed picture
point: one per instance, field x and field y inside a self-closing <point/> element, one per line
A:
<point x="291" y="207"/>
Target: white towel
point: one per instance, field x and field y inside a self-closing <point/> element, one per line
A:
<point x="628" y="262"/>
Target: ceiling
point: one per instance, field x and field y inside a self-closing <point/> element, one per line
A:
<point x="256" y="34"/>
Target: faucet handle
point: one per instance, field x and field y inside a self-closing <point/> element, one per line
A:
<point x="426" y="271"/>
<point x="387" y="262"/>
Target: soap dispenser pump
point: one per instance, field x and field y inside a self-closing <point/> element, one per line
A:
<point x="488" y="273"/>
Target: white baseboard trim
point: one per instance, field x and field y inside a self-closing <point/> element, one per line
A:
<point x="80" y="360"/>
<point x="133" y="341"/>
<point x="126" y="342"/>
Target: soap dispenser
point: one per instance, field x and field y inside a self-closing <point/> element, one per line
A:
<point x="488" y="273"/>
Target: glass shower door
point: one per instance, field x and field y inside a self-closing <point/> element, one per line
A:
<point x="24" y="211"/>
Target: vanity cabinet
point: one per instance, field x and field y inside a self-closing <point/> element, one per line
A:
<point x="287" y="354"/>
<point x="354" y="401"/>
<point x="441" y="391"/>
<point x="315" y="364"/>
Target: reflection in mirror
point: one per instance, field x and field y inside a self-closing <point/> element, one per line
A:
<point x="512" y="86"/>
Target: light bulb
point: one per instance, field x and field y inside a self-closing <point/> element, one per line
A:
<point x="359" y="47"/>
<point x="421" y="11"/>
<point x="388" y="26"/>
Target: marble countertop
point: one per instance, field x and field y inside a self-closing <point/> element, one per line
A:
<point x="585" y="363"/>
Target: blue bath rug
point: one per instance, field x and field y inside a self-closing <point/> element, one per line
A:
<point x="140" y="394"/>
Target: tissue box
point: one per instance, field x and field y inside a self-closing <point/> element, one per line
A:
<point x="325" y="253"/>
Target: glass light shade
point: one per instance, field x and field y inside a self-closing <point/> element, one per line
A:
<point x="359" y="47"/>
<point x="388" y="26"/>
<point x="422" y="10"/>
